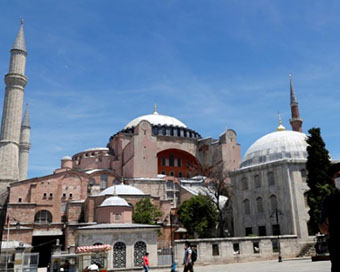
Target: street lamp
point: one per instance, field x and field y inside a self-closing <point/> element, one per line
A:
<point x="171" y="239"/>
<point x="277" y="213"/>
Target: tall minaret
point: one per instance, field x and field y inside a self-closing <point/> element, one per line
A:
<point x="12" y="112"/>
<point x="25" y="145"/>
<point x="295" y="121"/>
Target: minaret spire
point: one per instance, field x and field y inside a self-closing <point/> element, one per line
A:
<point x="12" y="112"/>
<point x="295" y="121"/>
<point x="25" y="145"/>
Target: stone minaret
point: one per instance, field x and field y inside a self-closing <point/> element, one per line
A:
<point x="295" y="121"/>
<point x="25" y="145"/>
<point x="12" y="112"/>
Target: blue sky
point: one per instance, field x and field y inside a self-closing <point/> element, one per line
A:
<point x="93" y="66"/>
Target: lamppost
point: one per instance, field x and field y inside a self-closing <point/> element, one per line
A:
<point x="171" y="238"/>
<point x="277" y="213"/>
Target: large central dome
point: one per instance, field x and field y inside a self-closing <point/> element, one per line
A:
<point x="276" y="146"/>
<point x="156" y="119"/>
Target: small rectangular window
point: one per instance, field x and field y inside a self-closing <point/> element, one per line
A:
<point x="20" y="199"/>
<point x="215" y="250"/>
<point x="276" y="229"/>
<point x="275" y="245"/>
<point x="262" y="231"/>
<point x="249" y="231"/>
<point x="179" y="162"/>
<point x="236" y="248"/>
<point x="256" y="247"/>
<point x="163" y="161"/>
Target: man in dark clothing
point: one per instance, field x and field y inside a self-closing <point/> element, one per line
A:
<point x="187" y="262"/>
<point x="330" y="219"/>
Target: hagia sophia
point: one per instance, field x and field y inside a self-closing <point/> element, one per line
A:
<point x="154" y="156"/>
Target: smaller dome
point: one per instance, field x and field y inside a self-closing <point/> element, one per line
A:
<point x="114" y="201"/>
<point x="66" y="158"/>
<point x="121" y="189"/>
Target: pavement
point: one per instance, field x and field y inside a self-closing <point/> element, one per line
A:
<point x="296" y="265"/>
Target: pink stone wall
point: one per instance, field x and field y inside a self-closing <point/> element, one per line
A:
<point x="107" y="214"/>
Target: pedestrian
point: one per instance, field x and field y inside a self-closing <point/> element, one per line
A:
<point x="146" y="262"/>
<point x="330" y="219"/>
<point x="187" y="261"/>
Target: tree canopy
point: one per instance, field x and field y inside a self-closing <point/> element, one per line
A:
<point x="198" y="215"/>
<point x="318" y="178"/>
<point x="145" y="212"/>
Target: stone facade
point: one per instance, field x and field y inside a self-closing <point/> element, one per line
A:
<point x="279" y="185"/>
<point x="241" y="249"/>
<point x="133" y="241"/>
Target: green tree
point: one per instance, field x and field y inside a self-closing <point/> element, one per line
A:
<point x="145" y="212"/>
<point x="318" y="178"/>
<point x="198" y="215"/>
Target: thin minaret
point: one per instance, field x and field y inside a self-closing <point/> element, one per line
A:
<point x="12" y="112"/>
<point x="25" y="145"/>
<point x="295" y="121"/>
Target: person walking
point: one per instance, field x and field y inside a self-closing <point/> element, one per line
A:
<point x="146" y="262"/>
<point x="330" y="219"/>
<point x="187" y="261"/>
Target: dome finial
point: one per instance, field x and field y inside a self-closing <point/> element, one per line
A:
<point x="280" y="127"/>
<point x="21" y="21"/>
<point x="155" y="109"/>
<point x="114" y="191"/>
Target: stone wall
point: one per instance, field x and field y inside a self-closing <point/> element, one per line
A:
<point x="240" y="249"/>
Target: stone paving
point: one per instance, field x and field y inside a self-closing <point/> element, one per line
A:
<point x="300" y="265"/>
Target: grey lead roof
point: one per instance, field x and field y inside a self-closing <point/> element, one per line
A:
<point x="19" y="42"/>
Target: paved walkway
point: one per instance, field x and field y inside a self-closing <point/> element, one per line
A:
<point x="301" y="265"/>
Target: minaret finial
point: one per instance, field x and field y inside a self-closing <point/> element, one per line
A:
<point x="19" y="43"/>
<point x="295" y="121"/>
<point x="280" y="127"/>
<point x="292" y="92"/>
<point x="155" y="109"/>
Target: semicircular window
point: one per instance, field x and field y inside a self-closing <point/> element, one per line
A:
<point x="43" y="217"/>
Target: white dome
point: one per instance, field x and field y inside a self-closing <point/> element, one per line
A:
<point x="276" y="146"/>
<point x="121" y="189"/>
<point x="156" y="119"/>
<point x="114" y="201"/>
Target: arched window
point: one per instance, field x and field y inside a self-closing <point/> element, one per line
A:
<point x="246" y="206"/>
<point x="103" y="181"/>
<point x="244" y="184"/>
<point x="271" y="179"/>
<point x="273" y="202"/>
<point x="139" y="251"/>
<point x="43" y="217"/>
<point x="119" y="255"/>
<point x="257" y="181"/>
<point x="259" y="205"/>
<point x="171" y="160"/>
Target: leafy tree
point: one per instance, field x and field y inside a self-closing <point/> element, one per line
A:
<point x="145" y="212"/>
<point x="318" y="178"/>
<point x="198" y="215"/>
